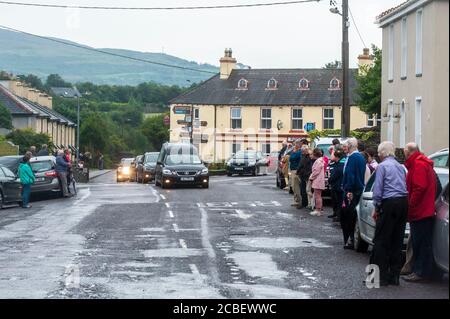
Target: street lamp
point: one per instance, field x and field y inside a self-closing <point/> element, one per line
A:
<point x="345" y="118"/>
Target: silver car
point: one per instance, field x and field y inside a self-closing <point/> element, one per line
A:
<point x="365" y="224"/>
<point x="440" y="232"/>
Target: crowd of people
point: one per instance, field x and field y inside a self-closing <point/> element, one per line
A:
<point x="401" y="194"/>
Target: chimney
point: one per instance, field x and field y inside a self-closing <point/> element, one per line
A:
<point x="33" y="95"/>
<point x="365" y="59"/>
<point x="43" y="99"/>
<point x="227" y="64"/>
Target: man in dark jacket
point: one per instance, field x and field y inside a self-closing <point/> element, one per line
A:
<point x="61" y="168"/>
<point x="335" y="182"/>
<point x="303" y="172"/>
<point x="421" y="184"/>
<point x="43" y="151"/>
<point x="353" y="186"/>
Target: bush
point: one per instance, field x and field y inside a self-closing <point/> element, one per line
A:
<point x="27" y="137"/>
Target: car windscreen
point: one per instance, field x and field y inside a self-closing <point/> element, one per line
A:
<point x="41" y="166"/>
<point x="176" y="159"/>
<point x="10" y="162"/>
<point x="127" y="162"/>
<point x="443" y="178"/>
<point x="324" y="148"/>
<point x="151" y="158"/>
<point x="245" y="155"/>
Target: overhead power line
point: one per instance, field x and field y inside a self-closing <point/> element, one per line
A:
<point x="356" y="27"/>
<point x="248" y="5"/>
<point x="106" y="52"/>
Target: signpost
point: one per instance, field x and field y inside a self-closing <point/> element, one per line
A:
<point x="309" y="127"/>
<point x="181" y="110"/>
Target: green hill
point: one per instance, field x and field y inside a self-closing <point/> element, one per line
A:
<point x="23" y="54"/>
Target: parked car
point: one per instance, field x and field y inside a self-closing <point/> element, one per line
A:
<point x="133" y="168"/>
<point x="365" y="224"/>
<point x="145" y="171"/>
<point x="10" y="187"/>
<point x="124" y="169"/>
<point x="440" y="231"/>
<point x="440" y="158"/>
<point x="179" y="164"/>
<point x="247" y="162"/>
<point x="43" y="168"/>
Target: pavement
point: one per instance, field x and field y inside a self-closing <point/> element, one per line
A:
<point x="238" y="239"/>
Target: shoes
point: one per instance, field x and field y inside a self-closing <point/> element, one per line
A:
<point x="349" y="247"/>
<point x="295" y="205"/>
<point x="405" y="272"/>
<point x="413" y="278"/>
<point x="316" y="213"/>
<point x="28" y="206"/>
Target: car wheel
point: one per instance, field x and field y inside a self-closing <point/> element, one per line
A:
<point x="1" y="200"/>
<point x="206" y="185"/>
<point x="254" y="173"/>
<point x="359" y="244"/>
<point x="229" y="174"/>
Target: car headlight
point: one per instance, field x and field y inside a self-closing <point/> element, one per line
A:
<point x="167" y="171"/>
<point x="229" y="163"/>
<point x="126" y="170"/>
<point x="205" y="171"/>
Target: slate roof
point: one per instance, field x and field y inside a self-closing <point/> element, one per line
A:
<point x="66" y="92"/>
<point x="225" y="92"/>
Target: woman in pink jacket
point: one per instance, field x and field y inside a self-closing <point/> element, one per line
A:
<point x="317" y="179"/>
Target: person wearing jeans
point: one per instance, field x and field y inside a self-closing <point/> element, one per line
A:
<point x="61" y="168"/>
<point x="27" y="178"/>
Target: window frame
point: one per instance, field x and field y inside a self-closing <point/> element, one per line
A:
<point x="338" y="87"/>
<point x="263" y="145"/>
<point x="236" y="119"/>
<point x="233" y="146"/>
<point x="304" y="80"/>
<point x="267" y="119"/>
<point x="391" y="53"/>
<point x="196" y="113"/>
<point x="269" y="87"/>
<point x="245" y="86"/>
<point x="419" y="42"/>
<point x="327" y="118"/>
<point x="404" y="49"/>
<point x="293" y="119"/>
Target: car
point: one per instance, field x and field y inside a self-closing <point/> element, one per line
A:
<point x="365" y="224"/>
<point x="43" y="167"/>
<point x="124" y="169"/>
<point x="440" y="158"/>
<point x="145" y="171"/>
<point x="247" y="162"/>
<point x="179" y="164"/>
<point x="133" y="168"/>
<point x="440" y="231"/>
<point x="10" y="187"/>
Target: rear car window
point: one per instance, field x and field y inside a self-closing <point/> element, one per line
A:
<point x="10" y="162"/>
<point x="41" y="166"/>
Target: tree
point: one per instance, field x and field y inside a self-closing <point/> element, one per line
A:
<point x="94" y="133"/>
<point x="155" y="131"/>
<point x="55" y="80"/>
<point x="368" y="90"/>
<point x="5" y="117"/>
<point x="33" y="81"/>
<point x="27" y="137"/>
<point x="333" y="65"/>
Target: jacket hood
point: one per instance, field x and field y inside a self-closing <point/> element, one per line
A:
<point x="417" y="156"/>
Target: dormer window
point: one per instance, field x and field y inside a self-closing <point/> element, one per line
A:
<point x="335" y="84"/>
<point x="242" y="84"/>
<point x="272" y="84"/>
<point x="303" y="84"/>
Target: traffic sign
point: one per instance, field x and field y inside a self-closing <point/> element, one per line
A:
<point x="310" y="126"/>
<point x="183" y="122"/>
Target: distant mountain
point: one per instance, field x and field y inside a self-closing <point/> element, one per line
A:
<point x="22" y="54"/>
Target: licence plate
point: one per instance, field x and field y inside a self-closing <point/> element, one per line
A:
<point x="187" y="179"/>
<point x="40" y="179"/>
<point x="239" y="168"/>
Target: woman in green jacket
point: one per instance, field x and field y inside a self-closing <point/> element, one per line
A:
<point x="26" y="179"/>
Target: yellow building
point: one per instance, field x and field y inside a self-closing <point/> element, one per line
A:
<point x="260" y="108"/>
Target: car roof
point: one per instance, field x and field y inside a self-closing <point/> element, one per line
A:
<point x="439" y="153"/>
<point x="328" y="140"/>
<point x="42" y="158"/>
<point x="151" y="153"/>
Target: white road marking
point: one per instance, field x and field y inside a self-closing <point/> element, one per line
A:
<point x="162" y="196"/>
<point x="194" y="269"/>
<point x="171" y="214"/>
<point x="205" y="234"/>
<point x="183" y="244"/>
<point x="175" y="228"/>
<point x="167" y="205"/>
<point x="155" y="193"/>
<point x="240" y="213"/>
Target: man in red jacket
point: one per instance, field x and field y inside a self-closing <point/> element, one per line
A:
<point x="421" y="185"/>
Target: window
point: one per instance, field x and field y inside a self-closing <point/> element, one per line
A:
<point x="297" y="119"/>
<point x="242" y="84"/>
<point x="390" y="131"/>
<point x="266" y="119"/>
<point x="196" y="114"/>
<point x="419" y="34"/>
<point x="371" y="120"/>
<point x="328" y="119"/>
<point x="265" y="149"/>
<point x="404" y="40"/>
<point x="391" y="54"/>
<point x="440" y="160"/>
<point x="303" y="84"/>
<point x="402" y="124"/>
<point x="335" y="84"/>
<point x="418" y="122"/>
<point x="8" y="173"/>
<point x="272" y="84"/>
<point x="235" y="147"/>
<point x="236" y="118"/>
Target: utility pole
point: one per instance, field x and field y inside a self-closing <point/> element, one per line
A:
<point x="78" y="124"/>
<point x="345" y="118"/>
<point x="192" y="125"/>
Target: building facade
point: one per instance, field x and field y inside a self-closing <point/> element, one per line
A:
<point x="260" y="108"/>
<point x="415" y="76"/>
<point x="32" y="109"/>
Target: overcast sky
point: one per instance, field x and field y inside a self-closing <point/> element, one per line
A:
<point x="290" y="36"/>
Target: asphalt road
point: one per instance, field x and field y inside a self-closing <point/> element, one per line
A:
<point x="238" y="239"/>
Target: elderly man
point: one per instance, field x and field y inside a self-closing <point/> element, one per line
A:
<point x="294" y="162"/>
<point x="353" y="186"/>
<point x="390" y="199"/>
<point x="421" y="184"/>
<point x="61" y="168"/>
<point x="283" y="149"/>
<point x="43" y="151"/>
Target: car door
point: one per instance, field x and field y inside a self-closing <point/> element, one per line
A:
<point x="440" y="232"/>
<point x="11" y="186"/>
<point x="367" y="224"/>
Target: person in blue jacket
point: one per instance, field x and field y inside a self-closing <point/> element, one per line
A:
<point x="294" y="162"/>
<point x="353" y="187"/>
<point x="338" y="159"/>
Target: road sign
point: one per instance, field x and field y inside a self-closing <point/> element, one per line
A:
<point x="310" y="126"/>
<point x="180" y="110"/>
<point x="204" y="123"/>
<point x="183" y="122"/>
